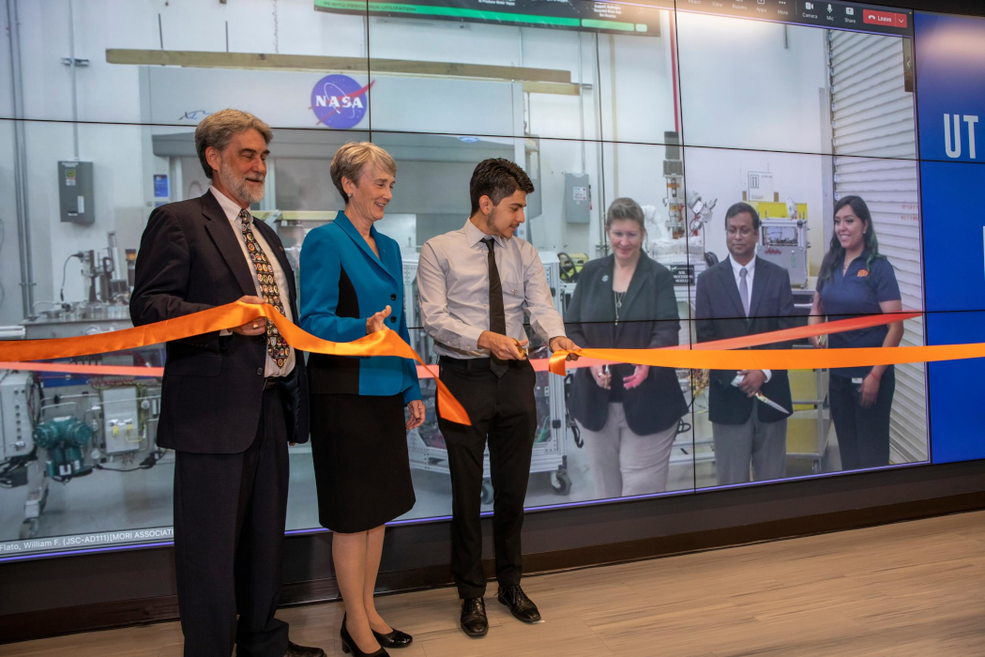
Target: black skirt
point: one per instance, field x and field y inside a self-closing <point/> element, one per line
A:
<point x="359" y="451"/>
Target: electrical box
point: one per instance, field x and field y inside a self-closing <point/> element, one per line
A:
<point x="15" y="418"/>
<point x="75" y="192"/>
<point x="760" y="186"/>
<point x="121" y="422"/>
<point x="784" y="242"/>
<point x="577" y="198"/>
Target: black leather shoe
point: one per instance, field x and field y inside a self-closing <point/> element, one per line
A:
<point x="394" y="639"/>
<point x="349" y="644"/>
<point x="520" y="605"/>
<point x="474" y="622"/>
<point x="294" y="650"/>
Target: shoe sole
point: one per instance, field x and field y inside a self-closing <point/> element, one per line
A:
<point x="506" y="604"/>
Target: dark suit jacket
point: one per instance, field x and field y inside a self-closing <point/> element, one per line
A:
<point x="720" y="315"/>
<point x="648" y="319"/>
<point x="190" y="260"/>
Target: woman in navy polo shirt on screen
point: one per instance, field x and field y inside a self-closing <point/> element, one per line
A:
<point x="856" y="280"/>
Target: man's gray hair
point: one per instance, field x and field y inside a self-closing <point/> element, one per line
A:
<point x="217" y="130"/>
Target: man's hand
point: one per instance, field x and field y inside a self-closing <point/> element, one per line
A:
<point x="752" y="381"/>
<point x="636" y="378"/>
<point x="417" y="413"/>
<point x="502" y="347"/>
<point x="258" y="326"/>
<point x="560" y="342"/>
<point x="378" y="321"/>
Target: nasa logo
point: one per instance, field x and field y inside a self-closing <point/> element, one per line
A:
<point x="339" y="101"/>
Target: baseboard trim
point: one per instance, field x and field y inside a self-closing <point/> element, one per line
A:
<point x="102" y="616"/>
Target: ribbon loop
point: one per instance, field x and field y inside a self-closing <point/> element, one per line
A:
<point x="231" y="315"/>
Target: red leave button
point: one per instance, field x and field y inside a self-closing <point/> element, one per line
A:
<point x="887" y="18"/>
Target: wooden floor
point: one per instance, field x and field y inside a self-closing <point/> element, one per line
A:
<point x="911" y="589"/>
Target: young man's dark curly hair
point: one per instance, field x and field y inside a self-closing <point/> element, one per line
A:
<point x="497" y="178"/>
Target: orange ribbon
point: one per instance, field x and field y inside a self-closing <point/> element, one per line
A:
<point x="708" y="355"/>
<point x="718" y="355"/>
<point x="379" y="343"/>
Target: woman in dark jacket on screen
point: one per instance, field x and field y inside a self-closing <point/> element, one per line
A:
<point x="628" y="414"/>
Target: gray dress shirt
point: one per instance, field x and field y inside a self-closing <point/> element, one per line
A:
<point x="232" y="214"/>
<point x="453" y="284"/>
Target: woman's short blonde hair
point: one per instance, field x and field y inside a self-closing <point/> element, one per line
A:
<point x="350" y="159"/>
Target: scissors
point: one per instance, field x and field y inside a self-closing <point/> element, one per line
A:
<point x="521" y="349"/>
<point x="769" y="402"/>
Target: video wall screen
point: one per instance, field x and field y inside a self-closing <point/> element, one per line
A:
<point x="764" y="166"/>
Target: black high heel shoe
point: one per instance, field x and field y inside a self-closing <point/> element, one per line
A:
<point x="393" y="639"/>
<point x="349" y="644"/>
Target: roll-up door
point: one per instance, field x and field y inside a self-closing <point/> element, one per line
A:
<point x="873" y="117"/>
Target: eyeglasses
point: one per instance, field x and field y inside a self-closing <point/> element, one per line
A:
<point x="744" y="231"/>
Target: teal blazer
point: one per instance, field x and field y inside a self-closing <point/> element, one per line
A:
<point x="343" y="283"/>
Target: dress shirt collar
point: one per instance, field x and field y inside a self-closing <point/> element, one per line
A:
<point x="736" y="267"/>
<point x="473" y="235"/>
<point x="229" y="206"/>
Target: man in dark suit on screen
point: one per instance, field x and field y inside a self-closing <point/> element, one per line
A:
<point x="231" y="401"/>
<point x="745" y="295"/>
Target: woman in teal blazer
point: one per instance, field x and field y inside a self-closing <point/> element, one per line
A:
<point x="352" y="285"/>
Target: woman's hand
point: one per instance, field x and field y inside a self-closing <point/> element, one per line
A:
<point x="816" y="317"/>
<point x="601" y="376"/>
<point x="869" y="391"/>
<point x="636" y="378"/>
<point x="378" y="321"/>
<point x="417" y="413"/>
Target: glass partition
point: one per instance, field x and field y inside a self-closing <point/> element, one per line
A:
<point x="682" y="112"/>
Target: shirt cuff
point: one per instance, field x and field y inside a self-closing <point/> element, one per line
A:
<point x="769" y="375"/>
<point x="412" y="393"/>
<point x="224" y="332"/>
<point x="470" y="339"/>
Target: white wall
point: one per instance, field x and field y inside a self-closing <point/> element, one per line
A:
<point x="10" y="278"/>
<point x="10" y="304"/>
<point x="748" y="84"/>
<point x="723" y="174"/>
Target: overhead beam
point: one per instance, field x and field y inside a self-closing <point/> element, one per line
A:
<point x="201" y="59"/>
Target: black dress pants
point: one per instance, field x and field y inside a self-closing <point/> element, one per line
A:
<point x="504" y="410"/>
<point x="229" y="515"/>
<point x="863" y="433"/>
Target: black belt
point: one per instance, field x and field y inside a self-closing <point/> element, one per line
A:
<point x="272" y="381"/>
<point x="470" y="364"/>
